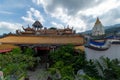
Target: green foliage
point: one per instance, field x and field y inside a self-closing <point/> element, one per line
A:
<point x="52" y="71"/>
<point x="67" y="71"/>
<point x="90" y="69"/>
<point x="109" y="68"/>
<point x="15" y="63"/>
<point x="67" y="55"/>
<point x="67" y="78"/>
<point x="79" y="62"/>
<point x="104" y="69"/>
<point x="85" y="77"/>
<point x="16" y="51"/>
<point x="113" y="30"/>
<point x="67" y="62"/>
<point x="29" y="51"/>
<point x="64" y="54"/>
<point x="58" y="65"/>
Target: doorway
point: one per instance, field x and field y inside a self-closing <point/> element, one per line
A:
<point x="43" y="53"/>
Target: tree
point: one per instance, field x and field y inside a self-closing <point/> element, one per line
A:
<point x="29" y="51"/>
<point x="104" y="69"/>
<point x="66" y="62"/>
<point x="14" y="64"/>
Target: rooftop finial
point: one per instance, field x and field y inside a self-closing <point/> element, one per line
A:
<point x="97" y="21"/>
<point x="37" y="25"/>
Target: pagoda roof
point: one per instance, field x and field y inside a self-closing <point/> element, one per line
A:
<point x="49" y="40"/>
<point x="97" y="22"/>
<point x="37" y="24"/>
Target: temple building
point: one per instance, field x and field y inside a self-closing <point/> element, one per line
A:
<point x="37" y="30"/>
<point x="41" y="39"/>
<point x="98" y="28"/>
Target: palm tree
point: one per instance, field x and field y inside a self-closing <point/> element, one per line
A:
<point x="110" y="69"/>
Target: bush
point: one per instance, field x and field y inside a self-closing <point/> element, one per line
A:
<point x="15" y="63"/>
<point x="66" y="62"/>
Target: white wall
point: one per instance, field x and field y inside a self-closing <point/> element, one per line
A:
<point x="112" y="53"/>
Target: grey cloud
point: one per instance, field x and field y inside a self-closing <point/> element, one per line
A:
<point x="72" y="6"/>
<point x="88" y="20"/>
<point x="110" y="17"/>
<point x="114" y="13"/>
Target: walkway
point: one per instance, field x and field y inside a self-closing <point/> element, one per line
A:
<point x="39" y="74"/>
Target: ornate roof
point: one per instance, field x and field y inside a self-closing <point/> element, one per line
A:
<point x="28" y="29"/>
<point x="62" y="40"/>
<point x="37" y="24"/>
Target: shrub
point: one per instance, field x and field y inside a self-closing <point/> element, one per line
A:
<point x="15" y="63"/>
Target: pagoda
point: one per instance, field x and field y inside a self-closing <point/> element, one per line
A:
<point x="98" y="28"/>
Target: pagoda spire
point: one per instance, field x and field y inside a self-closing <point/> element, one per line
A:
<point x="97" y="21"/>
<point x="98" y="28"/>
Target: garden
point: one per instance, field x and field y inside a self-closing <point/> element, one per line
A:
<point x="15" y="64"/>
<point x="66" y="63"/>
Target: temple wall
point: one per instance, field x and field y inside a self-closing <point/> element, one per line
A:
<point x="112" y="53"/>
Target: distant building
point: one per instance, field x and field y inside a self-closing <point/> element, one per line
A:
<point x="98" y="28"/>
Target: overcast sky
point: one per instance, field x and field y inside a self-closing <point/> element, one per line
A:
<point x="79" y="14"/>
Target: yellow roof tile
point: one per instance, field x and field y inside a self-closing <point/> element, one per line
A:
<point x="76" y="40"/>
<point x="7" y="46"/>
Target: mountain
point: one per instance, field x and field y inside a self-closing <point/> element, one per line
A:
<point x="112" y="26"/>
<point x="112" y="29"/>
<point x="0" y="36"/>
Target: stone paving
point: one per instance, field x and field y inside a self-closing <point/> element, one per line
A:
<point x="39" y="74"/>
